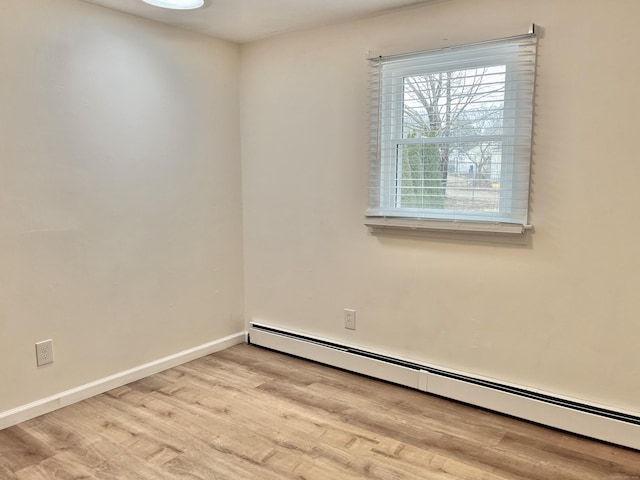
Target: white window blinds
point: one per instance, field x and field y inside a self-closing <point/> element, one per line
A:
<point x="451" y="133"/>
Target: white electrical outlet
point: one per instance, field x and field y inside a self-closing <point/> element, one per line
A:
<point x="44" y="352"/>
<point x="349" y="319"/>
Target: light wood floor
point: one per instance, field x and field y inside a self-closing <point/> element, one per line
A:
<point x="249" y="413"/>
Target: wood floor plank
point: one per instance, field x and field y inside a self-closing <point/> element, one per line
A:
<point x="571" y="464"/>
<point x="249" y="413"/>
<point x="22" y="448"/>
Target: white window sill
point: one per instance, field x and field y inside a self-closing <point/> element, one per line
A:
<point x="418" y="225"/>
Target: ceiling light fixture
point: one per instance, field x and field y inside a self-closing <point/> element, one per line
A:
<point x="176" y="4"/>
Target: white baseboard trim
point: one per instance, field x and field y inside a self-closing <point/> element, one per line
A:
<point x="572" y="415"/>
<point x="54" y="402"/>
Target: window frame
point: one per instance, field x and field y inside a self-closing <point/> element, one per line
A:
<point x="388" y="136"/>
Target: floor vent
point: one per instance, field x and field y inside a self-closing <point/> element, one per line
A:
<point x="574" y="416"/>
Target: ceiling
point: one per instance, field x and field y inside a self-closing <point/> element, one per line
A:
<point x="244" y="21"/>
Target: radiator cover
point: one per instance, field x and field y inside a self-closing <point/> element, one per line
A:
<point x="571" y="415"/>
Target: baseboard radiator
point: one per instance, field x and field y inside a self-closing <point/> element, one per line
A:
<point x="565" y="414"/>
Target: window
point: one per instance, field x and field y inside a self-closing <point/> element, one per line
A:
<point x="451" y="136"/>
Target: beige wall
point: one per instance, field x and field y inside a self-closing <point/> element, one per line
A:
<point x="559" y="315"/>
<point x="121" y="209"/>
<point x="120" y="204"/>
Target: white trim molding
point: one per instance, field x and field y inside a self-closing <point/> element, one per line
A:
<point x="63" y="399"/>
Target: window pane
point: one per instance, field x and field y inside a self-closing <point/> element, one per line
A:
<point x="453" y="104"/>
<point x="469" y="181"/>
